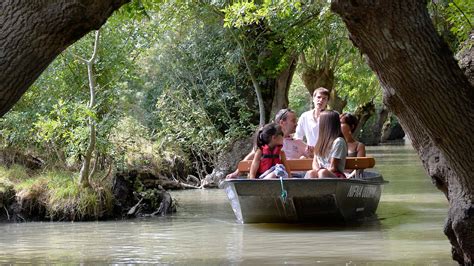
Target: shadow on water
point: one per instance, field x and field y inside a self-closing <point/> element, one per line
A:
<point x="367" y="224"/>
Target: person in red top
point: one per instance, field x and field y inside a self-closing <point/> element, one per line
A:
<point x="268" y="154"/>
<point x="293" y="148"/>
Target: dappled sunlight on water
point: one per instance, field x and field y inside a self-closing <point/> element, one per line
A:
<point x="408" y="231"/>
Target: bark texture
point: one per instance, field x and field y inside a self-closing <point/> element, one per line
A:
<point x="282" y="86"/>
<point x="432" y="98"/>
<point x="33" y="33"/>
<point x="363" y="113"/>
<point x="314" y="78"/>
<point x="322" y="77"/>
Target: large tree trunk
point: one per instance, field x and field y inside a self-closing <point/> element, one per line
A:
<point x="433" y="100"/>
<point x="335" y="102"/>
<point x="33" y="33"/>
<point x="314" y="78"/>
<point x="322" y="77"/>
<point x="282" y="86"/>
<point x="363" y="113"/>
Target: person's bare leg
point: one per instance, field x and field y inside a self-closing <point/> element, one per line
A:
<point x="325" y="173"/>
<point x="311" y="174"/>
<point x="271" y="175"/>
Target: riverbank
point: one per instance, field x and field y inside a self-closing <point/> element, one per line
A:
<point x="28" y="195"/>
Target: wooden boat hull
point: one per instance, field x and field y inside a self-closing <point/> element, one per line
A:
<point x="307" y="201"/>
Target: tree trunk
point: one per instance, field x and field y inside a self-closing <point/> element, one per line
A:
<point x="86" y="173"/>
<point x="392" y="130"/>
<point x="256" y="86"/>
<point x="323" y="77"/>
<point x="432" y="98"/>
<point x="33" y="33"/>
<point x="466" y="57"/>
<point x="363" y="113"/>
<point x="372" y="131"/>
<point x="282" y="86"/>
<point x="335" y="102"/>
<point x="314" y="78"/>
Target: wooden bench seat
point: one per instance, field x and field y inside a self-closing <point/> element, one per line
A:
<point x="306" y="164"/>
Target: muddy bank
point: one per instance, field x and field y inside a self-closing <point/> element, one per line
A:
<point x="125" y="195"/>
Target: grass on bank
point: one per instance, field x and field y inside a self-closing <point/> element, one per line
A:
<point x="57" y="194"/>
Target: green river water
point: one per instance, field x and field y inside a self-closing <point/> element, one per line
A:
<point x="204" y="232"/>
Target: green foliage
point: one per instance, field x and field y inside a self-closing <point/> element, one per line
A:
<point x="298" y="96"/>
<point x="5" y="186"/>
<point x="52" y="115"/>
<point x="358" y="84"/>
<point x="461" y="18"/>
<point x="131" y="144"/>
<point x="172" y="82"/>
<point x="454" y="20"/>
<point x="65" y="126"/>
<point x="197" y="94"/>
<point x="15" y="173"/>
<point x="272" y="31"/>
<point x="7" y="192"/>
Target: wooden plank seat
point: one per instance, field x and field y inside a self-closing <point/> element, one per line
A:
<point x="306" y="164"/>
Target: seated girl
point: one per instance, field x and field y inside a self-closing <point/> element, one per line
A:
<point x="331" y="148"/>
<point x="269" y="160"/>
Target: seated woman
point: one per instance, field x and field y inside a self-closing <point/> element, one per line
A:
<point x="354" y="148"/>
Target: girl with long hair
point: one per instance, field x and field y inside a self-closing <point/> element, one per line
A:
<point x="330" y="151"/>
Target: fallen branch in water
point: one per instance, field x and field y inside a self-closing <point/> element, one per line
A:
<point x="134" y="208"/>
<point x="189" y="186"/>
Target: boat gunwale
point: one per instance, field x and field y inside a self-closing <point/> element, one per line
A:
<point x="324" y="179"/>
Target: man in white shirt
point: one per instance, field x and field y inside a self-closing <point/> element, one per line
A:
<point x="308" y="123"/>
<point x="293" y="148"/>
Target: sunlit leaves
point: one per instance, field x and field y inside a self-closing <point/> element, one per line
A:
<point x="357" y="83"/>
<point x="461" y="17"/>
<point x="454" y="20"/>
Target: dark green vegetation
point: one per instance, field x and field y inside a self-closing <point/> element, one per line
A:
<point x="175" y="84"/>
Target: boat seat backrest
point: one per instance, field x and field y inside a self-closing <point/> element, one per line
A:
<point x="306" y="164"/>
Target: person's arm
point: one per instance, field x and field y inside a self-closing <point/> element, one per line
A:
<point x="285" y="163"/>
<point x="309" y="151"/>
<point x="255" y="164"/>
<point x="334" y="164"/>
<point x="236" y="173"/>
<point x="338" y="152"/>
<point x="315" y="163"/>
<point x="249" y="156"/>
<point x="361" y="150"/>
<point x="303" y="151"/>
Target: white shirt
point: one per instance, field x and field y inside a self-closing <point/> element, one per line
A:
<point x="307" y="127"/>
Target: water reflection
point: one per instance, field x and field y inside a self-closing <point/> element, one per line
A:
<point x="204" y="231"/>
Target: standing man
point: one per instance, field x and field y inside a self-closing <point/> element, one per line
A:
<point x="308" y="124"/>
<point x="293" y="148"/>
